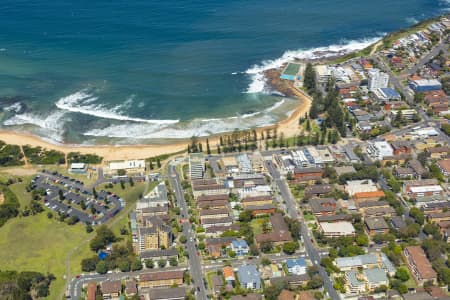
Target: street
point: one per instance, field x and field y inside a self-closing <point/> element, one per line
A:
<point x="292" y="212"/>
<point x="195" y="267"/>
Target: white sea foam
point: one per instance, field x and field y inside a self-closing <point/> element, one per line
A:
<point x="196" y="127"/>
<point x="16" y="107"/>
<point x="84" y="103"/>
<point x="256" y="72"/>
<point x="53" y="123"/>
<point x="412" y="20"/>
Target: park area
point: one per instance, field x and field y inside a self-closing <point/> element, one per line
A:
<point x="46" y="245"/>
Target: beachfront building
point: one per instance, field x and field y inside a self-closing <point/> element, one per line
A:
<point x="78" y="168"/>
<point x="122" y="167"/>
<point x="197" y="165"/>
<point x="377" y="80"/>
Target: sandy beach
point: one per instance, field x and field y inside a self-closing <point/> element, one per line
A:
<point x="289" y="127"/>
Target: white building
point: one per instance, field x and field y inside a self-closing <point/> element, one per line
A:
<point x="337" y="229"/>
<point x="196" y="165"/>
<point x="377" y="79"/>
<point x="130" y="166"/>
<point x="360" y="186"/>
<point x="156" y="198"/>
<point x="379" y="150"/>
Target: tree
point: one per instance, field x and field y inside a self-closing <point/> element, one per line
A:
<point x="136" y="265"/>
<point x="245" y="216"/>
<point x="158" y="163"/>
<point x="266" y="246"/>
<point x="183" y="239"/>
<point x="162" y="263"/>
<point x="89" y="264"/>
<point x="402" y="274"/>
<point x="149" y="263"/>
<point x="83" y="205"/>
<point x="309" y="78"/>
<point x="290" y="247"/>
<point x="94" y="193"/>
<point x="89" y="228"/>
<point x="417" y="215"/>
<point x="124" y="264"/>
<point x="362" y="240"/>
<point x="173" y="261"/>
<point x="315" y="282"/>
<point x="101" y="267"/>
<point x="265" y="261"/>
<point x="208" y="149"/>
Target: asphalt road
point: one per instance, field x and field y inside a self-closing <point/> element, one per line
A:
<point x="292" y="212"/>
<point x="195" y="267"/>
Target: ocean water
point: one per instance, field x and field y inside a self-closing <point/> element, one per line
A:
<point x="145" y="71"/>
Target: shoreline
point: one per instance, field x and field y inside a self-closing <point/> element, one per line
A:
<point x="288" y="126"/>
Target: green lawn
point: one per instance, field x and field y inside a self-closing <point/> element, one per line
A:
<point x="37" y="243"/>
<point x="20" y="190"/>
<point x="256" y="225"/>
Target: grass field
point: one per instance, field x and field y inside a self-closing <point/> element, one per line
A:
<point x="37" y="243"/>
<point x="256" y="225"/>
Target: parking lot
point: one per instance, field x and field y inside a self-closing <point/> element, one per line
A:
<point x="98" y="210"/>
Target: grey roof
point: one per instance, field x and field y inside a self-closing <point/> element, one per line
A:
<point x="351" y="276"/>
<point x="355" y="261"/>
<point x="375" y="223"/>
<point x="398" y="222"/>
<point x="387" y="263"/>
<point x="169" y="293"/>
<point x="248" y="273"/>
<point x="375" y="275"/>
<point x="158" y="253"/>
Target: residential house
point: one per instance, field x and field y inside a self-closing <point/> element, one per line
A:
<point x="91" y="292"/>
<point x="363" y="206"/>
<point x="240" y="247"/>
<point x="337" y="229"/>
<point x="306" y="173"/>
<point x="196" y="165"/>
<point x="155" y="235"/>
<point x="436" y="217"/>
<point x="111" y="289"/>
<point x="156" y="198"/>
<point x="159" y="254"/>
<point x="211" y="222"/>
<point x="229" y="276"/>
<point x="438" y="152"/>
<point x="323" y="206"/>
<point x="401" y="147"/>
<point x="287" y="295"/>
<point x="444" y="166"/>
<point x="355" y="282"/>
<point x="256" y="200"/>
<point x="131" y="288"/>
<point x="173" y="293"/>
<point x="419" y="265"/>
<point x="417" y="168"/>
<point x="368" y="196"/>
<point x="403" y="173"/>
<point x="296" y="266"/>
<point x="207" y="214"/>
<point x="262" y="210"/>
<point x="376" y="225"/>
<point x="357" y="262"/>
<point x="216" y="284"/>
<point x="379" y="212"/>
<point x="318" y="190"/>
<point x="398" y="223"/>
<point x="280" y="231"/>
<point x="160" y="279"/>
<point x="360" y="186"/>
<point x="249" y="277"/>
<point x="335" y="218"/>
<point x="375" y="278"/>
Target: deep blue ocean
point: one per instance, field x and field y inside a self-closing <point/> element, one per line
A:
<point x="143" y="70"/>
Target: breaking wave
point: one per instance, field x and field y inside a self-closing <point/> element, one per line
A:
<point x="84" y="103"/>
<point x="256" y="72"/>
